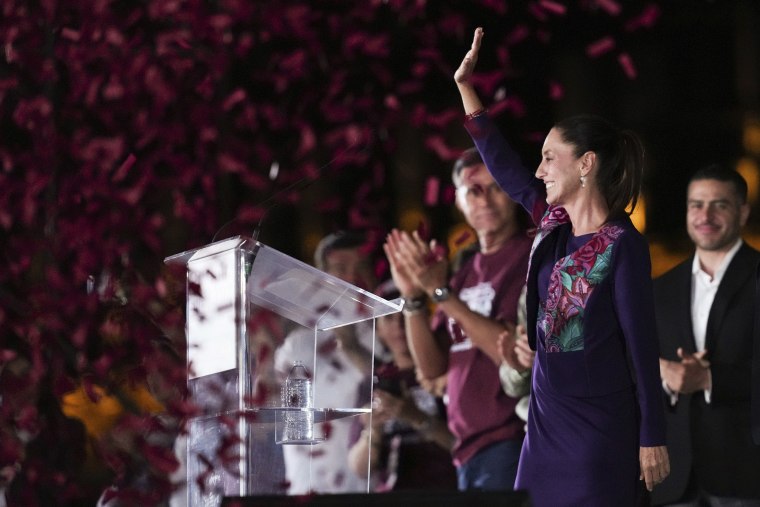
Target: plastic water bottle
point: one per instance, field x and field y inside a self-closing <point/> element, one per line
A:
<point x="297" y="392"/>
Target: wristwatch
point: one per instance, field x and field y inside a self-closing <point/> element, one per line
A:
<point x="441" y="294"/>
<point x="414" y="303"/>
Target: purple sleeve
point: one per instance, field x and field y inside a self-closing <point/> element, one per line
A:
<point x="634" y="305"/>
<point x="506" y="167"/>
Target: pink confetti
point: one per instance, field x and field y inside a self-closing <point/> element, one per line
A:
<point x="625" y="61"/>
<point x="449" y="195"/>
<point x="534" y="137"/>
<point x="463" y="238"/>
<point x="600" y="47"/>
<point x="556" y="90"/>
<point x="517" y="35"/>
<point x="124" y="168"/>
<point x="445" y="118"/>
<point x="392" y="102"/>
<point x="432" y="188"/>
<point x="233" y="98"/>
<point x="553" y="7"/>
<point x="512" y="104"/>
<point x="537" y="12"/>
<point x="612" y="7"/>
<point x="488" y="81"/>
<point x="647" y="19"/>
<point x="498" y="6"/>
<point x="439" y="146"/>
<point x="308" y="140"/>
<point x="70" y="34"/>
<point x="503" y="56"/>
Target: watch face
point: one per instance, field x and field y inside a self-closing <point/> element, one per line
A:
<point x="441" y="294"/>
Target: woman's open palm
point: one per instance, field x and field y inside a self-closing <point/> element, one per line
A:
<point x="467" y="67"/>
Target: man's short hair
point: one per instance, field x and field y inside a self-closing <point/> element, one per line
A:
<point x="341" y="240"/>
<point x="720" y="173"/>
<point x="469" y="158"/>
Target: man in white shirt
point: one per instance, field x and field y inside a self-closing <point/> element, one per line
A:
<point x="705" y="318"/>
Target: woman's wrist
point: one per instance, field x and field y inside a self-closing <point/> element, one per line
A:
<point x="476" y="113"/>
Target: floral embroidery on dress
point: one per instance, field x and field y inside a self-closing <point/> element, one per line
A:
<point x="553" y="217"/>
<point x="572" y="281"/>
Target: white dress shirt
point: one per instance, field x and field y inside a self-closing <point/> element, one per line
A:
<point x="703" y="290"/>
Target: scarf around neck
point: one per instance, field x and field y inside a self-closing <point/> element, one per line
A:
<point x="572" y="281"/>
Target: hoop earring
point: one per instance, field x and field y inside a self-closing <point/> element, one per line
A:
<point x="583" y="181"/>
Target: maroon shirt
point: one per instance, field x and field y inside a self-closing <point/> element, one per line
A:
<point x="479" y="411"/>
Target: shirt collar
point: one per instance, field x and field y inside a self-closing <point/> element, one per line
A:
<point x="696" y="266"/>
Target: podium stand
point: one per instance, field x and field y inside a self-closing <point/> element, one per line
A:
<point x="235" y="288"/>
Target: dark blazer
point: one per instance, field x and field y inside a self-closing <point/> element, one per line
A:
<point x="713" y="441"/>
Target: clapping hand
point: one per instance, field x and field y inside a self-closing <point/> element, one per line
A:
<point x="690" y="374"/>
<point x="514" y="348"/>
<point x="416" y="266"/>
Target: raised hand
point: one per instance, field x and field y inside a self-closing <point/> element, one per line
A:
<point x="467" y="67"/>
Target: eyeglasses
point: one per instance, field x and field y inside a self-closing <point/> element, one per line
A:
<point x="476" y="191"/>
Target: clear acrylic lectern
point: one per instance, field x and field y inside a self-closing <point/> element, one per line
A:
<point x="238" y="292"/>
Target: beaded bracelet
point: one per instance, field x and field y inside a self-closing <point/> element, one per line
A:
<point x="475" y="114"/>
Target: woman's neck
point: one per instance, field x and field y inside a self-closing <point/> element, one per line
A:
<point x="588" y="213"/>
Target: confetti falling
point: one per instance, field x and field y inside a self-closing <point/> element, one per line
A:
<point x="125" y="127"/>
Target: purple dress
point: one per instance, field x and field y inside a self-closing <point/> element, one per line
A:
<point x="596" y="389"/>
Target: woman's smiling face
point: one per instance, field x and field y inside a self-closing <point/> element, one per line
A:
<point x="559" y="170"/>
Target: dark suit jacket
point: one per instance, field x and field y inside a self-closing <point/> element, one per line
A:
<point x="714" y="440"/>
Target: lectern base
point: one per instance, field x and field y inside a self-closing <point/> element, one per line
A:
<point x="391" y="499"/>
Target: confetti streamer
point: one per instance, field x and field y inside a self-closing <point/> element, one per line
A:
<point x="625" y="61"/>
<point x="432" y="188"/>
<point x="124" y="168"/>
<point x="556" y="90"/>
<point x="600" y="47"/>
<point x="612" y="7"/>
<point x="648" y="18"/>
<point x="553" y="7"/>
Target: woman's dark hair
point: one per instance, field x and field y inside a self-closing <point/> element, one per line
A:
<point x="619" y="157"/>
